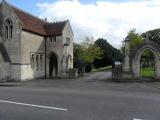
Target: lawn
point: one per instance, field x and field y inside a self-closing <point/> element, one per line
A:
<point x="148" y="72"/>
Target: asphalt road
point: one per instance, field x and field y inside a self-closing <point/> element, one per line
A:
<point x="79" y="100"/>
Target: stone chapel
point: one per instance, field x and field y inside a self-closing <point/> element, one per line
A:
<point x="31" y="47"/>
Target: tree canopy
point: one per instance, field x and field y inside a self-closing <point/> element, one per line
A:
<point x="108" y="53"/>
<point x="86" y="52"/>
<point x="135" y="38"/>
<point x="90" y="51"/>
<point x="153" y="35"/>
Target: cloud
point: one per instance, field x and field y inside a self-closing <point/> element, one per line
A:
<point x="106" y="19"/>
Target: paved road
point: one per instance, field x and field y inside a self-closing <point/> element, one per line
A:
<point x="98" y="76"/>
<point x="82" y="100"/>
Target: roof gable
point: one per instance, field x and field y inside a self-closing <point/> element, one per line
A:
<point x="30" y="22"/>
<point x="55" y="28"/>
<point x="36" y="25"/>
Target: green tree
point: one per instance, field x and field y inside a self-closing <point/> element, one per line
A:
<point x="90" y="51"/>
<point x="77" y="50"/>
<point x="108" y="53"/>
<point x="85" y="53"/>
<point x="153" y="35"/>
<point x="135" y="38"/>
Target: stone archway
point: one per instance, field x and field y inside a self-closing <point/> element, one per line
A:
<point x="53" y="65"/>
<point x="137" y="57"/>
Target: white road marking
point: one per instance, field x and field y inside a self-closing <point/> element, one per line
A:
<point x="32" y="105"/>
<point x="136" y="119"/>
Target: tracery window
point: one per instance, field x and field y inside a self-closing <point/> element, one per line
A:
<point x="37" y="61"/>
<point x="8" y="29"/>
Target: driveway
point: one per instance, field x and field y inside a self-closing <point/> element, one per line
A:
<point x="79" y="99"/>
<point x="98" y="76"/>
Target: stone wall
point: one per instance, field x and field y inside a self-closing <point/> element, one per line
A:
<point x="12" y="46"/>
<point x="32" y="44"/>
<point x="67" y="33"/>
<point x="5" y="72"/>
<point x="57" y="49"/>
<point x="0" y="19"/>
<point x="4" y="69"/>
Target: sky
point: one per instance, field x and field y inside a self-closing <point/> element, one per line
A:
<point x="109" y="19"/>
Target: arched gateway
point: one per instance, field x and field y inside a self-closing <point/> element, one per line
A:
<point x="145" y="57"/>
<point x="137" y="60"/>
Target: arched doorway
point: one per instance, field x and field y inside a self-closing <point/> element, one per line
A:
<point x="53" y="65"/>
<point x="141" y="67"/>
<point x="147" y="65"/>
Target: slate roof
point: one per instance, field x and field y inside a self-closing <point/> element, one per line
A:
<point x="37" y="25"/>
<point x="55" y="28"/>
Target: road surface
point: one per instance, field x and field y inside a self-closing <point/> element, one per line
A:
<point x="79" y="100"/>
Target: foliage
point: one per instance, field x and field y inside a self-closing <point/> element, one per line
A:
<point x="148" y="53"/>
<point x="147" y="59"/>
<point x="77" y="50"/>
<point x="89" y="51"/>
<point x="108" y="53"/>
<point x="134" y="38"/>
<point x="85" y="53"/>
<point x="153" y="35"/>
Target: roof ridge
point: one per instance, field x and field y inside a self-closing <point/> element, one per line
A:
<point x="59" y="22"/>
<point x="21" y="10"/>
<point x="43" y="20"/>
<point x="38" y="25"/>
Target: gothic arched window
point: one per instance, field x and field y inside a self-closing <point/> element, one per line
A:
<point x="8" y="29"/>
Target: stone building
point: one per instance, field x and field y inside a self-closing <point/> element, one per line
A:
<point x="31" y="47"/>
